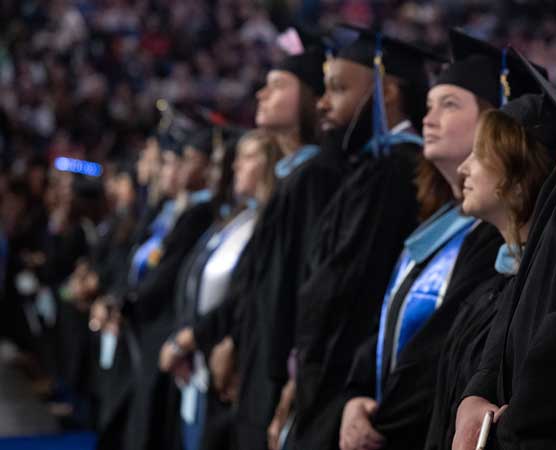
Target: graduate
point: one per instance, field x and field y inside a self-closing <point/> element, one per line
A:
<point x="517" y="367"/>
<point x="148" y="308"/>
<point x="307" y="178"/>
<point x="501" y="181"/>
<point x="205" y="277"/>
<point x="362" y="229"/>
<point x="393" y="377"/>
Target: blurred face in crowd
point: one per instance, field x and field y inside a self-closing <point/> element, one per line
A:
<point x="169" y="173"/>
<point x="109" y="178"/>
<point x="249" y="169"/>
<point x="194" y="169"/>
<point x="148" y="163"/>
<point x="37" y="180"/>
<point x="348" y="87"/>
<point x="449" y="130"/>
<point x="124" y="190"/>
<point x="480" y="189"/>
<point x="12" y="211"/>
<point x="278" y="106"/>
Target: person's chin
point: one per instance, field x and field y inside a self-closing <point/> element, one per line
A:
<point x="326" y="127"/>
<point x="431" y="152"/>
<point x="260" y="119"/>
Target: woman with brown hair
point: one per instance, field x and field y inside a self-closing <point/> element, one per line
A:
<point x="501" y="181"/>
<point x="512" y="159"/>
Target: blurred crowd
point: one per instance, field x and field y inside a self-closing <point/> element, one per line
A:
<point x="81" y="77"/>
<point x="152" y="89"/>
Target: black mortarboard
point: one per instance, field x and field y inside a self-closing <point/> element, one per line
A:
<point x="478" y="67"/>
<point x="173" y="129"/>
<point x="535" y="112"/>
<point x="306" y="63"/>
<point x="399" y="58"/>
<point x="202" y="141"/>
<point x="306" y="66"/>
<point x="179" y="127"/>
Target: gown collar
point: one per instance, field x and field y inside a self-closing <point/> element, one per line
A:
<point x="436" y="231"/>
<point x="288" y="163"/>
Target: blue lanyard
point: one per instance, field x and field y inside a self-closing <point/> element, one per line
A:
<point x="381" y="145"/>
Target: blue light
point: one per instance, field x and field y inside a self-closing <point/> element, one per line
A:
<point x="79" y="166"/>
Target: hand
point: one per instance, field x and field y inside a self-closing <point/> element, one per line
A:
<point x="222" y="365"/>
<point x="176" y="350"/>
<point x="499" y="413"/>
<point x="182" y="371"/>
<point x="186" y="340"/>
<point x="356" y="431"/>
<point x="98" y="315"/>
<point x="281" y="415"/>
<point x="114" y="322"/>
<point x="170" y="357"/>
<point x="469" y="420"/>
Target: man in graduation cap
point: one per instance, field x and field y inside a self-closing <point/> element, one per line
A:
<point x="394" y="376"/>
<point x="362" y="229"/>
<point x="515" y="379"/>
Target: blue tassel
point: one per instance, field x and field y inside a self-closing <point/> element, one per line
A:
<point x="380" y="125"/>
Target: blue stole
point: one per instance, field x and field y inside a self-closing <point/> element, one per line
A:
<point x="507" y="260"/>
<point x="381" y="145"/>
<point x="440" y="238"/>
<point x="287" y="164"/>
<point x="149" y="253"/>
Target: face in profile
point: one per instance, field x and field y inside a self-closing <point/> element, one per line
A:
<point x="348" y="87"/>
<point x="249" y="167"/>
<point x="481" y="181"/>
<point x="169" y="173"/>
<point x="278" y="102"/>
<point x="193" y="174"/>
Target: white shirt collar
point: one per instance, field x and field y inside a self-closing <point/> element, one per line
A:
<point x="402" y="126"/>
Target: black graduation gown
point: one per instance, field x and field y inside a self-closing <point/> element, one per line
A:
<point x="518" y="366"/>
<point x="408" y="392"/>
<point x="461" y="357"/>
<point x="209" y="330"/>
<point x="266" y="311"/>
<point x="354" y="252"/>
<point x="150" y="315"/>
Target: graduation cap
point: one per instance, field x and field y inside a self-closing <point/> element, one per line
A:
<point x="202" y="141"/>
<point x="173" y="130"/>
<point x="400" y="59"/>
<point x="304" y="60"/>
<point x="191" y="125"/>
<point x="488" y="72"/>
<point x="535" y="112"/>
